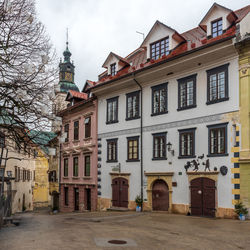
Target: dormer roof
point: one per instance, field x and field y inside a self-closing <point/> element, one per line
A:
<point x="77" y="95"/>
<point x="88" y="84"/>
<point x="176" y="36"/>
<point x="119" y="58"/>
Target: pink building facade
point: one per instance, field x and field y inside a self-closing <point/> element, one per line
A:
<point x="78" y="167"/>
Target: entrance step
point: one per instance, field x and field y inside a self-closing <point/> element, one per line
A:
<point x="118" y="209"/>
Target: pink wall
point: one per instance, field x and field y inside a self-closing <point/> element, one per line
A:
<point x="80" y="148"/>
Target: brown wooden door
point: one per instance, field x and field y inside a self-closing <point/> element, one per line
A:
<point x="120" y="192"/>
<point x="203" y="197"/>
<point x="160" y="196"/>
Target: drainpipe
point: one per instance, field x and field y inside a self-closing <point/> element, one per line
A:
<point x="141" y="141"/>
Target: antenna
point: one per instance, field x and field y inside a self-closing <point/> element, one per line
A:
<point x="67" y="37"/>
<point x="143" y="36"/>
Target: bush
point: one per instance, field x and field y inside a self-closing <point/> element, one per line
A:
<point x="240" y="209"/>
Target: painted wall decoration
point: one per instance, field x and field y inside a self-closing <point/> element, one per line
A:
<point x="196" y="164"/>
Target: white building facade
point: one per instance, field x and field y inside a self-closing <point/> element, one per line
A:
<point x="168" y="124"/>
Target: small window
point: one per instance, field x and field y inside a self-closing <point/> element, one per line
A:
<point x="75" y="166"/>
<point x="16" y="173"/>
<point x="187" y="92"/>
<point x="66" y="130"/>
<point x="187" y="143"/>
<point x="19" y="174"/>
<point x="2" y="140"/>
<point x="133" y="100"/>
<point x="159" y="146"/>
<point x="87" y="165"/>
<point x="217" y="84"/>
<point x="34" y="175"/>
<point x="76" y="130"/>
<point x="112" y="150"/>
<point x="66" y="167"/>
<point x="87" y="123"/>
<point x="159" y="48"/>
<point x="159" y="99"/>
<point x="217" y="140"/>
<point x="66" y="196"/>
<point x="216" y="28"/>
<point x="133" y="148"/>
<point x="112" y="110"/>
<point x="113" y="69"/>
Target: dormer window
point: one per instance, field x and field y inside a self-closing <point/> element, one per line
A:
<point x="113" y="69"/>
<point x="217" y="28"/>
<point x="159" y="48"/>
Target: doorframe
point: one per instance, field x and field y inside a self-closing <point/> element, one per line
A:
<point x="210" y="175"/>
<point x="151" y="178"/>
<point x="125" y="176"/>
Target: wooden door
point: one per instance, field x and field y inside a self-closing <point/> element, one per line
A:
<point x="203" y="197"/>
<point x="76" y="191"/>
<point x="160" y="196"/>
<point x="88" y="199"/>
<point x="120" y="192"/>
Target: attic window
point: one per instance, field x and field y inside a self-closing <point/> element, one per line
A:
<point x="159" y="48"/>
<point x="217" y="27"/>
<point x="113" y="69"/>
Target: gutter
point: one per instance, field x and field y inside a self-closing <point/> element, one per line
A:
<point x="141" y="145"/>
<point x="164" y="61"/>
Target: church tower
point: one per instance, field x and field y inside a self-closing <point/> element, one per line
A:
<point x="66" y="82"/>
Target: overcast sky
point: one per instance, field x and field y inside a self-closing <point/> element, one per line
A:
<point x="97" y="27"/>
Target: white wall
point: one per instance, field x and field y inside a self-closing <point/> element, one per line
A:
<point x="245" y="25"/>
<point x="123" y="129"/>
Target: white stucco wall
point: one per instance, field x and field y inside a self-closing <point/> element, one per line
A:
<point x="181" y="193"/>
<point x="245" y="25"/>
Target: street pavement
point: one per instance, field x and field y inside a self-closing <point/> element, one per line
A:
<point x="151" y="230"/>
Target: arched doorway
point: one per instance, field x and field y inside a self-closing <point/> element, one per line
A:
<point x="120" y="192"/>
<point x="203" y="197"/>
<point x="160" y="196"/>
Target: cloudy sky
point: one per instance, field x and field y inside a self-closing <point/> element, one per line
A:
<point x="97" y="27"/>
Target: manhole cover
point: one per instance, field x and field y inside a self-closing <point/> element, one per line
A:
<point x="117" y="242"/>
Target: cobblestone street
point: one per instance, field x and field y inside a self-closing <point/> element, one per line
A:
<point x="42" y="231"/>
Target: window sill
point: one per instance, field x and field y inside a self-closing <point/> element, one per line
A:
<point x="217" y="101"/>
<point x="132" y="118"/>
<point x="75" y="177"/>
<point x="76" y="140"/>
<point x="111" y="122"/>
<point x="132" y="160"/>
<point x="159" y="159"/>
<point x="87" y="177"/>
<point x="162" y="113"/>
<point x="187" y="107"/>
<point x="186" y="156"/>
<point x="112" y="161"/>
<point x="65" y="177"/>
<point x="87" y="138"/>
<point x="217" y="155"/>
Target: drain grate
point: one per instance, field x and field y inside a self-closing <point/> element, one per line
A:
<point x="117" y="242"/>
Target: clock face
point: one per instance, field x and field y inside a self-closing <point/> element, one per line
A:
<point x="68" y="76"/>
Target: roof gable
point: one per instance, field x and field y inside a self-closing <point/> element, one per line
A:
<point x="78" y="95"/>
<point x="113" y="56"/>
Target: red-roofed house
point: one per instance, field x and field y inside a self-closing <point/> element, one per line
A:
<point x="168" y="119"/>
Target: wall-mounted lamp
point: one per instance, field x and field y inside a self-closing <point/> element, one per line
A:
<point x="169" y="147"/>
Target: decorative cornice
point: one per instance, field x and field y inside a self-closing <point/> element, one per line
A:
<point x="203" y="173"/>
<point x="159" y="173"/>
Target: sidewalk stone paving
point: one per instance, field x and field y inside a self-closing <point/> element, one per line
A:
<point x="40" y="231"/>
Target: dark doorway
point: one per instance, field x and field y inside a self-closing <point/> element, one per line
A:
<point x="24" y="207"/>
<point x="160" y="196"/>
<point x="76" y="191"/>
<point x="88" y="199"/>
<point x="203" y="197"/>
<point x="55" y="201"/>
<point x="120" y="192"/>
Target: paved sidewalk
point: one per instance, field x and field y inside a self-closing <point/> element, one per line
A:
<point x="41" y="231"/>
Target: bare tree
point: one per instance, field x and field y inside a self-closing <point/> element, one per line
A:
<point x="27" y="71"/>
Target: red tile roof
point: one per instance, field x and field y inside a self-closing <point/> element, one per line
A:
<point x="78" y="95"/>
<point x="196" y="38"/>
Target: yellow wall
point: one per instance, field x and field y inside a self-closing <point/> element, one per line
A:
<point x="244" y="159"/>
<point x="41" y="189"/>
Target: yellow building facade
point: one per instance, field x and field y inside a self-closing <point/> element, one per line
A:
<point x="41" y="196"/>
